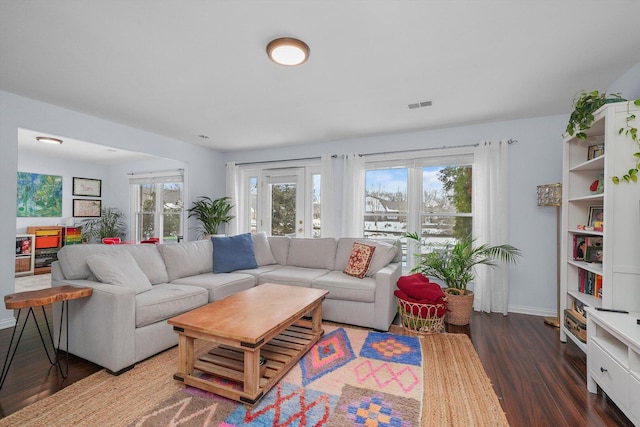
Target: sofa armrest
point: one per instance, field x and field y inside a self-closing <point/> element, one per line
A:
<point x="102" y="326"/>
<point x="386" y="305"/>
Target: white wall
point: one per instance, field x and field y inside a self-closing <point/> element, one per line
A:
<point x="205" y="167"/>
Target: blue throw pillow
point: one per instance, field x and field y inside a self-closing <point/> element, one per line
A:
<point x="231" y="253"/>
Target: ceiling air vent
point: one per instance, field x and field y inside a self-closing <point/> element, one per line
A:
<point x="420" y="104"/>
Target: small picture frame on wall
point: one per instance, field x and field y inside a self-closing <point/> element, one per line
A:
<point x="87" y="208"/>
<point x="87" y="187"/>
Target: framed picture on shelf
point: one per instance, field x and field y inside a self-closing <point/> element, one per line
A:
<point x="596" y="214"/>
<point x="87" y="187"/>
<point x="595" y="151"/>
<point x="86" y="208"/>
<point x="594" y="254"/>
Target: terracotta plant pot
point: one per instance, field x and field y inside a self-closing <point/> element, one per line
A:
<point x="460" y="308"/>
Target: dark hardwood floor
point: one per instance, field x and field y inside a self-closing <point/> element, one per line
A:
<point x="538" y="380"/>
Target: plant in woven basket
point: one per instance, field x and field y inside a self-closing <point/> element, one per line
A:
<point x="454" y="265"/>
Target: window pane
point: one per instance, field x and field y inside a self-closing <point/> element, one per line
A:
<point x="253" y="204"/>
<point x="283" y="209"/>
<point x="171" y="227"/>
<point x="386" y="202"/>
<point x="147" y="226"/>
<point x="147" y="198"/>
<point x="443" y="229"/>
<point x="172" y="197"/>
<point x="446" y="189"/>
<point x="317" y="207"/>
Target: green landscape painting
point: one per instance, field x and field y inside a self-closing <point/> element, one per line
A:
<point x="39" y="195"/>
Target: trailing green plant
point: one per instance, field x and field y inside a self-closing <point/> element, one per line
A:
<point x="584" y="105"/>
<point x="632" y="132"/>
<point x="211" y="213"/>
<point x="454" y="263"/>
<point x="110" y="223"/>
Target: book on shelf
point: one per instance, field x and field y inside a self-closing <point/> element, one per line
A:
<point x="579" y="247"/>
<point x="589" y="283"/>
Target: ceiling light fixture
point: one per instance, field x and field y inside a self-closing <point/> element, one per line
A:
<point x="288" y="51"/>
<point x="49" y="140"/>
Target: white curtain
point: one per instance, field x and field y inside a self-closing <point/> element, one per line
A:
<point x="491" y="222"/>
<point x="353" y="196"/>
<point x="233" y="191"/>
<point x="327" y="202"/>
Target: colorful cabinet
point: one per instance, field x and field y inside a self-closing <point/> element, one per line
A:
<point x="48" y="240"/>
<point x="71" y="236"/>
<point x="25" y="254"/>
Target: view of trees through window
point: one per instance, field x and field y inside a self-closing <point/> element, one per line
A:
<point x="445" y="195"/>
<point x="159" y="211"/>
<point x="283" y="209"/>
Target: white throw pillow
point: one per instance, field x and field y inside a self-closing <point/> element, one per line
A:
<point x="119" y="269"/>
<point x="262" y="249"/>
<point x="382" y="256"/>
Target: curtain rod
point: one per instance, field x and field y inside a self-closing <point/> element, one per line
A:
<point x="156" y="172"/>
<point x="444" y="147"/>
<point x="510" y="141"/>
<point x="278" y="161"/>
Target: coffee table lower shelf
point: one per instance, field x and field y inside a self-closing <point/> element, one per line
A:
<point x="225" y="362"/>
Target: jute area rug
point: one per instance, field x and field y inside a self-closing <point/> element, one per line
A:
<point x="351" y="377"/>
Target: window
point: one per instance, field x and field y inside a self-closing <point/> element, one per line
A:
<point x="281" y="201"/>
<point x="158" y="206"/>
<point x="431" y="196"/>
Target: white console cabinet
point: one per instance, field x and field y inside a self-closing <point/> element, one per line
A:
<point x="613" y="358"/>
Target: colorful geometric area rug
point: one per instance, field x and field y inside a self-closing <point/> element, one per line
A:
<point x="351" y="377"/>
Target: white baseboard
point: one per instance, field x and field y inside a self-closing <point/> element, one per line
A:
<point x="7" y="323"/>
<point x="533" y="311"/>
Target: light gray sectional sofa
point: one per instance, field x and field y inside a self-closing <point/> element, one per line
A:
<point x="136" y="288"/>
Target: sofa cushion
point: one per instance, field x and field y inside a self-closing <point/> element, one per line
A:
<point x="166" y="300"/>
<point x="262" y="249"/>
<point x="346" y="288"/>
<point x="312" y="253"/>
<point x="384" y="254"/>
<point x="280" y="248"/>
<point x="73" y="259"/>
<point x="359" y="260"/>
<point x="187" y="258"/>
<point x="119" y="268"/>
<point x="219" y="285"/>
<point x="295" y="276"/>
<point x="232" y="253"/>
<point x="150" y="261"/>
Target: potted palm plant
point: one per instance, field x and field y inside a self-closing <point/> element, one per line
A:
<point x="454" y="264"/>
<point x="211" y="214"/>
<point x="110" y="223"/>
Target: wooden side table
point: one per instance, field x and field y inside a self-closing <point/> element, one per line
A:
<point x="40" y="298"/>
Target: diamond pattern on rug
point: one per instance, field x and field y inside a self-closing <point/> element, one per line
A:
<point x="331" y="352"/>
<point x="286" y="405"/>
<point x="390" y="377"/>
<point x="392" y="348"/>
<point x="371" y="408"/>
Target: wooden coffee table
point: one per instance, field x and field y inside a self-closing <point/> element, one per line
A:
<point x="262" y="321"/>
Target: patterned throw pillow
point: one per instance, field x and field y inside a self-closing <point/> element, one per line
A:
<point x="359" y="260"/>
